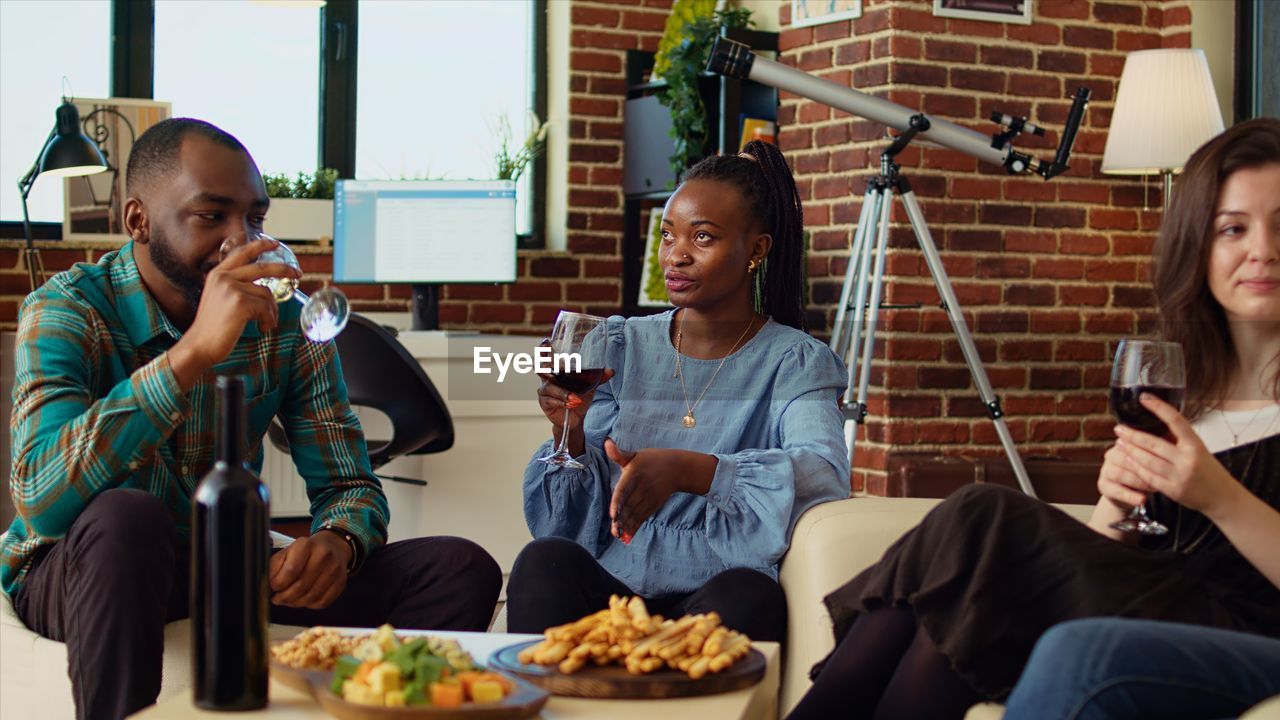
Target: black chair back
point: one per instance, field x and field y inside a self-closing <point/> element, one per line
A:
<point x="381" y="374"/>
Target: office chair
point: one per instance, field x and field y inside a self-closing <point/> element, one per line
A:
<point x="382" y="375"/>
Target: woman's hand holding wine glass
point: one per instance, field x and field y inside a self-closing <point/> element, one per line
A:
<point x="1179" y="466"/>
<point x="578" y="345"/>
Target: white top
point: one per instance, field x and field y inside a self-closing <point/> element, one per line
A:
<point x="1217" y="428"/>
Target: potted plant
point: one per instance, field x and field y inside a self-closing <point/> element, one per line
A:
<point x="510" y="160"/>
<point x="681" y="59"/>
<point x="301" y="206"/>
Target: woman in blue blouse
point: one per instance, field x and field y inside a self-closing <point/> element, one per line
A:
<point x="717" y="429"/>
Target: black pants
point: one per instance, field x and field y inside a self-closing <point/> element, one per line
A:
<point x="108" y="588"/>
<point x="555" y="581"/>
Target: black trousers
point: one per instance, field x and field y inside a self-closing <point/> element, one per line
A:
<point x="108" y="588"/>
<point x="555" y="581"/>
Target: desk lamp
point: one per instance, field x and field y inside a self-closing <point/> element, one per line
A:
<point x="67" y="152"/>
<point x="1165" y="109"/>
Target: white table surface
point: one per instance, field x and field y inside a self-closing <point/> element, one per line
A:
<point x="755" y="703"/>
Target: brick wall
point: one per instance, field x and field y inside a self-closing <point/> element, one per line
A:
<point x="1049" y="273"/>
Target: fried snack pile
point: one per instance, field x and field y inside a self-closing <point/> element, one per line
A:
<point x="628" y="635"/>
<point x="317" y="648"/>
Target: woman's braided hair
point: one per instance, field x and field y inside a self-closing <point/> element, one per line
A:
<point x="765" y="180"/>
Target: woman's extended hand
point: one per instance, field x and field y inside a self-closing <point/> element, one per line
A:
<point x="649" y="477"/>
<point x="1182" y="470"/>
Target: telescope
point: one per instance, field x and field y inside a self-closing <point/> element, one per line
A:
<point x="736" y="60"/>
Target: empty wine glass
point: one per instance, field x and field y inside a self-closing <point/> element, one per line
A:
<point x="581" y="336"/>
<point x="324" y="313"/>
<point x="1145" y="366"/>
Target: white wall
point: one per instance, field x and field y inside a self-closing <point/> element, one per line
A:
<point x="764" y="12"/>
<point x="1213" y="29"/>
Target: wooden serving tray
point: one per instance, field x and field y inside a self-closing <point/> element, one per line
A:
<point x="524" y="702"/>
<point x="613" y="681"/>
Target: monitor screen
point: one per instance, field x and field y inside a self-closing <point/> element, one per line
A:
<point x="424" y="231"/>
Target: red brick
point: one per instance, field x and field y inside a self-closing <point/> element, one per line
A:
<point x="1006" y="57"/>
<point x="600" y="39"/>
<point x="1055" y="322"/>
<point x="981" y="80"/>
<point x="602" y="268"/>
<point x="870" y="75"/>
<point x="1133" y="245"/>
<point x="599" y="17"/>
<point x="791" y="38"/>
<point x="815" y="60"/>
<point x="600" y="85"/>
<point x="1039" y="33"/>
<point x="593" y="292"/>
<point x="1035" y="86"/>
<point x="809" y="164"/>
<point x="872" y="21"/>
<point x="1130" y="41"/>
<point x="1026" y="351"/>
<point x="598" y="107"/>
<point x="1082" y="244"/>
<point x="992" y="214"/>
<point x="582" y="152"/>
<point x="942" y="433"/>
<point x="1139" y="297"/>
<point x="1040" y="295"/>
<point x="592" y="244"/>
<point x="1060" y="217"/>
<point x="1087" y="404"/>
<point x="525" y="290"/>
<point x="913" y="349"/>
<point x="905" y="47"/>
<point x="853" y="53"/>
<point x="1120" y="323"/>
<point x="1003" y="322"/>
<point x="593" y="198"/>
<point x="481" y="313"/>
<point x="1081" y="351"/>
<point x="554" y="267"/>
<point x="1066" y="9"/>
<point x="1117" y="14"/>
<point x="827" y="135"/>
<point x="1056" y="378"/>
<point x="1103" y="219"/>
<point x="1105" y="64"/>
<point x="1180" y="40"/>
<point x="1177" y="15"/>
<point x="1089" y="37"/>
<point x="832" y="31"/>
<point x="950" y="51"/>
<point x="643" y="21"/>
<point x="1055" y="430"/>
<point x="1083" y="295"/>
<point x="974" y="240"/>
<point x="1110" y="270"/>
<point x="955" y="106"/>
<point x="974" y="188"/>
<point x="468" y="292"/>
<point x="974" y="28"/>
<point x="1034" y="242"/>
<point x="1061" y="62"/>
<point x="1082" y="192"/>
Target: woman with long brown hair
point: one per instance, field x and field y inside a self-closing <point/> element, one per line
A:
<point x="950" y="614"/>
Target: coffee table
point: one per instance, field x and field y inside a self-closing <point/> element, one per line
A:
<point x="755" y="703"/>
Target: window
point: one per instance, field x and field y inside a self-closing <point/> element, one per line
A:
<point x="31" y="83"/>
<point x="434" y="79"/>
<point x="252" y="69"/>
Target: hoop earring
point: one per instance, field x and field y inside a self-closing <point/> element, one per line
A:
<point x="751" y="266"/>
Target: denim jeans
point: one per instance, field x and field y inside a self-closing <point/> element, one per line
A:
<point x="1122" y="668"/>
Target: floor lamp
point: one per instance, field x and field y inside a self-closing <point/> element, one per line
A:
<point x="1165" y="109"/>
<point x="67" y="152"/>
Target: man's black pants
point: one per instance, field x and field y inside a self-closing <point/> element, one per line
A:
<point x="108" y="588"/>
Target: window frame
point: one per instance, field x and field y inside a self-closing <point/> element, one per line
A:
<point x="132" y="75"/>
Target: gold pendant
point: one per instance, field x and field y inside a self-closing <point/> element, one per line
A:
<point x="688" y="420"/>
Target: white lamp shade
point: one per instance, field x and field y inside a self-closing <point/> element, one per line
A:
<point x="1165" y="109"/>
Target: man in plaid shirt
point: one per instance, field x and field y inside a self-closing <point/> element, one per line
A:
<point x="113" y="427"/>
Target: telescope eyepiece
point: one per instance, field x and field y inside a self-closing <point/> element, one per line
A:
<point x="730" y="58"/>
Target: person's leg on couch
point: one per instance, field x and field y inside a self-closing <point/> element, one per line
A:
<point x="1103" y="668"/>
<point x="746" y="600"/>
<point x="106" y="590"/>
<point x="432" y="583"/>
<point x="554" y="581"/>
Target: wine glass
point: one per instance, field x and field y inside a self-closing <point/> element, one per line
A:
<point x="1145" y="366"/>
<point x="578" y="346"/>
<point x="324" y="313"/>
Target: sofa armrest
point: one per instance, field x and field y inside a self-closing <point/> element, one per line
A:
<point x="831" y="543"/>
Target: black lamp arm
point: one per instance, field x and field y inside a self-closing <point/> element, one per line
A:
<point x="35" y="268"/>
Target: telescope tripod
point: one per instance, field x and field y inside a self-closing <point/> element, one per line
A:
<point x="873" y="225"/>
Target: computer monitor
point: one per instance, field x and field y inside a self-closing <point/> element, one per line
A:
<point x="424" y="233"/>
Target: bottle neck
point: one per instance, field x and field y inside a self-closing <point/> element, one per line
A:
<point x="231" y="422"/>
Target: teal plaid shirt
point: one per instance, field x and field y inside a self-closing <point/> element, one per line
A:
<point x="96" y="406"/>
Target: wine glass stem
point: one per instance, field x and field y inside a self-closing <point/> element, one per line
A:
<point x="564" y="434"/>
<point x="300" y="296"/>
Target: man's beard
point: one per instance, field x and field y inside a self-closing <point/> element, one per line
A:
<point x="188" y="281"/>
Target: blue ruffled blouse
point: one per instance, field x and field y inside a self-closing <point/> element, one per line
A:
<point x="771" y="419"/>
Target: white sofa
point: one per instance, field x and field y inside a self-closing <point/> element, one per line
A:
<point x="834" y="541"/>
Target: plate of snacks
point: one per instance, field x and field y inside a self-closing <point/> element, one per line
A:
<point x="382" y="676"/>
<point x="624" y="652"/>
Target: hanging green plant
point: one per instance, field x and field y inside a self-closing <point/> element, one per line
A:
<point x="682" y="53"/>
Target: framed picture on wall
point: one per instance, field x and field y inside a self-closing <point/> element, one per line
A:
<point x="818" y="12"/>
<point x="92" y="204"/>
<point x="1010" y="11"/>
<point x="653" y="287"/>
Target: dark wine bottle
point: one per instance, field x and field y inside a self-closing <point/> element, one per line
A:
<point x="229" y="557"/>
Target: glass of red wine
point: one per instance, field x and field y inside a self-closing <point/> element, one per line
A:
<point x="1145" y="366"/>
<point x="578" y="347"/>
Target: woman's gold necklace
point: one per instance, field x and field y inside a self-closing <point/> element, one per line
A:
<point x="688" y="420"/>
